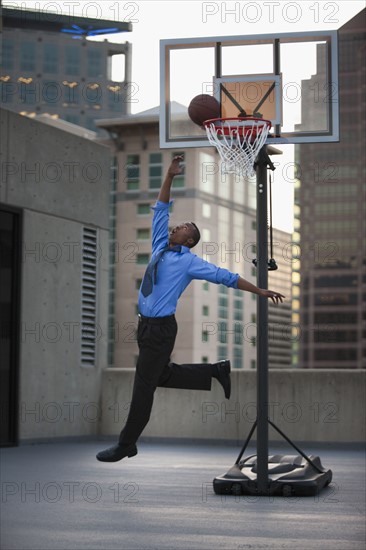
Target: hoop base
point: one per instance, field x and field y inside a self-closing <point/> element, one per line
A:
<point x="289" y="475"/>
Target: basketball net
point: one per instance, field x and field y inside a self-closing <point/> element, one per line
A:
<point x="238" y="141"/>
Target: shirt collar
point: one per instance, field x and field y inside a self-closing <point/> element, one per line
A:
<point x="183" y="249"/>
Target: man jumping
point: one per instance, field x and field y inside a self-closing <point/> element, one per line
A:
<point x="172" y="267"/>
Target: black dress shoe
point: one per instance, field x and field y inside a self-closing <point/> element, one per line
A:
<point x="223" y="376"/>
<point x="117" y="452"/>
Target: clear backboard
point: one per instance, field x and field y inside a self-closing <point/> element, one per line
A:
<point x="290" y="79"/>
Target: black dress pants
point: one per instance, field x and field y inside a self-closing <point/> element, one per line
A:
<point x="156" y="338"/>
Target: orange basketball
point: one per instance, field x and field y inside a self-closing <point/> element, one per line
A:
<point x="203" y="107"/>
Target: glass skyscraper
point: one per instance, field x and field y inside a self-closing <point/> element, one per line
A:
<point x="331" y="222"/>
<point x="50" y="66"/>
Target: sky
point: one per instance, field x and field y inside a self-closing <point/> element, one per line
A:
<point x="153" y="21"/>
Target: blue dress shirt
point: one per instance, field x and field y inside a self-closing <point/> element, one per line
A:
<point x="176" y="270"/>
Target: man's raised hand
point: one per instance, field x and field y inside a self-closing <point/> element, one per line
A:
<point x="175" y="168"/>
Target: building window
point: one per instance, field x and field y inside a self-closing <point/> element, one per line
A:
<point x="155" y="170"/>
<point x="335" y="208"/>
<point x="6" y="89"/>
<point x="205" y="310"/>
<point x="342" y="281"/>
<point x="205" y="286"/>
<point x="143" y="209"/>
<point x="238" y="358"/>
<point x="204" y="359"/>
<point x="51" y="91"/>
<point x="143" y="259"/>
<point x="133" y="172"/>
<point x="93" y="95"/>
<point x="330" y="335"/>
<point x="206" y="210"/>
<point x="336" y="354"/>
<point x="27" y="56"/>
<point x="222" y="353"/>
<point x="94" y="62"/>
<point x="72" y="60"/>
<point x="8" y="55"/>
<point x="223" y="302"/>
<point x="204" y="336"/>
<point x="71" y="92"/>
<point x="222" y="334"/>
<point x="138" y="284"/>
<point x="238" y="309"/>
<point x="179" y="180"/>
<point x="28" y="93"/>
<point x="223" y="312"/>
<point x="143" y="234"/>
<point x="339" y="317"/>
<point x="335" y="299"/>
<point x="50" y="58"/>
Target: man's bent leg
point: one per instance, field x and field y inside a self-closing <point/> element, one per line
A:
<point x="156" y="341"/>
<point x="188" y="377"/>
<point x="196" y="376"/>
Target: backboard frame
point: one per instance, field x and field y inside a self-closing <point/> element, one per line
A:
<point x="330" y="37"/>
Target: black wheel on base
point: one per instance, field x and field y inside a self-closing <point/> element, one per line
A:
<point x="236" y="489"/>
<point x="287" y="490"/>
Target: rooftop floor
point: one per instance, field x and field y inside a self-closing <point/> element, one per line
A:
<point x="58" y="496"/>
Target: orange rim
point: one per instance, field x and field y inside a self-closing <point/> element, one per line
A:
<point x="238" y="127"/>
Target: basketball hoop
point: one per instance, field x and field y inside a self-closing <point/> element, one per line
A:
<point x="238" y="141"/>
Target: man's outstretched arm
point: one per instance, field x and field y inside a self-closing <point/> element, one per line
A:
<point x="173" y="170"/>
<point x="202" y="270"/>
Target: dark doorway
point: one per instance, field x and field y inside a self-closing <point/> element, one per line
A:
<point x="10" y="271"/>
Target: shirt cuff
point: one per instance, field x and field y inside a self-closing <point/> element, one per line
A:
<point x="233" y="281"/>
<point x="159" y="205"/>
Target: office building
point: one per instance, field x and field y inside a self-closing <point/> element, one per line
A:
<point x="331" y="222"/>
<point x="50" y="66"/>
<point x="280" y="329"/>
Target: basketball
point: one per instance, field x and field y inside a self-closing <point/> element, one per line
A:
<point x="203" y="107"/>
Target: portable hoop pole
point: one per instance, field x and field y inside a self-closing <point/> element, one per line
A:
<point x="262" y="323"/>
<point x="309" y="477"/>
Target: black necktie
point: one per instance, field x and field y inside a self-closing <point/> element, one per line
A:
<point x="151" y="271"/>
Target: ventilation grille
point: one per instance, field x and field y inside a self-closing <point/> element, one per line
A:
<point x="89" y="297"/>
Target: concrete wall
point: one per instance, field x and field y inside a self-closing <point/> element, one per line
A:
<point x="61" y="182"/>
<point x="307" y="405"/>
<point x="50" y="170"/>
